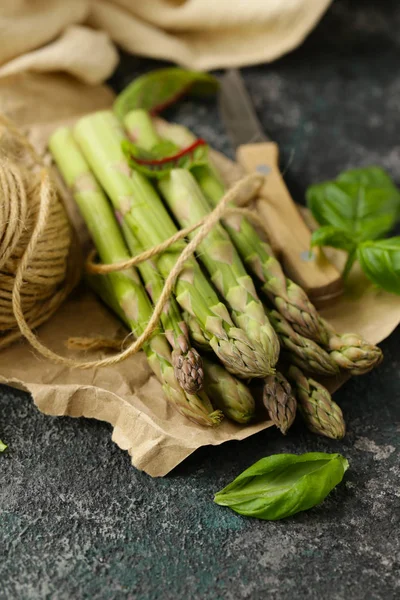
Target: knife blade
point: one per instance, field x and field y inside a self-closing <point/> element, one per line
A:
<point x="288" y="232"/>
<point x="237" y="112"/>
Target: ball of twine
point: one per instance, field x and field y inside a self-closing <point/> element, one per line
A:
<point x="39" y="264"/>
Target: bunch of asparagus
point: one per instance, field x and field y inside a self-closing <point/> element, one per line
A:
<point x="126" y="295"/>
<point x="215" y="304"/>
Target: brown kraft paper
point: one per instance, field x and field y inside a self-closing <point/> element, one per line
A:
<point x="127" y="395"/>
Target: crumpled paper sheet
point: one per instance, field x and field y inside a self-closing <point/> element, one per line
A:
<point x="128" y="396"/>
<point x="77" y="36"/>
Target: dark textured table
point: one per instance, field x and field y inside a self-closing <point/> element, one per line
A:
<point x="77" y="521"/>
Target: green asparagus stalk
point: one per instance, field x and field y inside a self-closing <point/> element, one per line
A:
<point x="321" y="414"/>
<point x="300" y="351"/>
<point x="140" y="129"/>
<point x="229" y="394"/>
<point x="196" y="333"/>
<point x="279" y="401"/>
<point x="352" y="353"/>
<point x="129" y="294"/>
<point x="188" y="366"/>
<point x="99" y="137"/>
<point x="349" y="351"/>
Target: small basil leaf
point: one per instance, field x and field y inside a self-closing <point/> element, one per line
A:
<point x="380" y="261"/>
<point x="364" y="212"/>
<point x="373" y="177"/>
<point x="328" y="235"/>
<point x="283" y="484"/>
<point x="158" y="89"/>
<point x="2" y="446"/>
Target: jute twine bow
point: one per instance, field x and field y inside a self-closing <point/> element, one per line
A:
<point x="34" y="248"/>
<point x="38" y="267"/>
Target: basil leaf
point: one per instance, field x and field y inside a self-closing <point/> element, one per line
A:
<point x="158" y="89"/>
<point x="2" y="446"/>
<point x="283" y="484"/>
<point x="360" y="206"/>
<point x="380" y="261"/>
<point x="328" y="235"/>
<point x="374" y="177"/>
<point x="363" y="212"/>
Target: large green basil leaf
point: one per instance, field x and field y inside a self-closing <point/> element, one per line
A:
<point x="158" y="89"/>
<point x="2" y="446"/>
<point x="283" y="484"/>
<point x="362" y="212"/>
<point x="373" y="177"/>
<point x="380" y="261"/>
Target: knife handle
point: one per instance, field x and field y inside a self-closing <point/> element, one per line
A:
<point x="288" y="233"/>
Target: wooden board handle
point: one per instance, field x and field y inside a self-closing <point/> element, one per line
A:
<point x="289" y="234"/>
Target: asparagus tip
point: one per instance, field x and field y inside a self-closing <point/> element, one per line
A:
<point x="279" y="401"/>
<point x="188" y="369"/>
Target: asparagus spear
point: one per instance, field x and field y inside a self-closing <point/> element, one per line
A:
<point x="321" y="414"/>
<point x="300" y="351"/>
<point x="195" y="332"/>
<point x="188" y="366"/>
<point x="100" y="136"/>
<point x="352" y="352"/>
<point x="279" y="401"/>
<point x="128" y="293"/>
<point x="229" y="394"/>
<point x="349" y="351"/>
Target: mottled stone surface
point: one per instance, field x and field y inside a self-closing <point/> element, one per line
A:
<point x="77" y="521"/>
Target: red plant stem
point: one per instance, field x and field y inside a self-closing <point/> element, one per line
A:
<point x="173" y="157"/>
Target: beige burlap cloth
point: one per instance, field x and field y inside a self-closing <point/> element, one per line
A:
<point x="79" y="36"/>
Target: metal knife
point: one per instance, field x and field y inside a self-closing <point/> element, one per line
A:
<point x="289" y="235"/>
